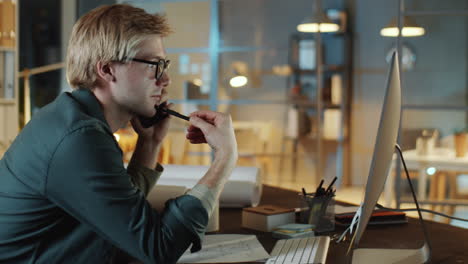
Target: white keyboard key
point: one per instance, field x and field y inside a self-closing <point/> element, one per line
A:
<point x="307" y="250"/>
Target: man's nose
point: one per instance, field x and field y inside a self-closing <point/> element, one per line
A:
<point x="164" y="80"/>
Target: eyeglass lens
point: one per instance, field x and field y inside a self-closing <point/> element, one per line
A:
<point x="161" y="67"/>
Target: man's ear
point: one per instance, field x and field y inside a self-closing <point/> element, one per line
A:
<point x="105" y="71"/>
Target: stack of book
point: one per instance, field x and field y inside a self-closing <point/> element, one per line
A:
<point x="7" y="45"/>
<point x="293" y="231"/>
<point x="266" y="217"/>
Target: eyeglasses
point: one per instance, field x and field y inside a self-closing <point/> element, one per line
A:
<point x="161" y="65"/>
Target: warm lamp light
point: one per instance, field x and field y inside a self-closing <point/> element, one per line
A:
<point x="311" y="25"/>
<point x="240" y="71"/>
<point x="319" y="22"/>
<point x="197" y="82"/>
<point x="238" y="81"/>
<point x="410" y="29"/>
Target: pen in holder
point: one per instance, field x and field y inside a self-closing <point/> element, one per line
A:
<point x="320" y="213"/>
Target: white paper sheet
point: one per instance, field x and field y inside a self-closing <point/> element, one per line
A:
<point x="227" y="249"/>
<point x="340" y="209"/>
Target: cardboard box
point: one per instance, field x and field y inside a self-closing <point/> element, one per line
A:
<point x="8" y="23"/>
<point x="266" y="217"/>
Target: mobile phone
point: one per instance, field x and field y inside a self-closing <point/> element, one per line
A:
<point x="151" y="121"/>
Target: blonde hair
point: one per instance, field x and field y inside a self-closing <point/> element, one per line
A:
<point x="108" y="33"/>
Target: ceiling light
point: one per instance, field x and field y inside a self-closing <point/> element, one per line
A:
<point x="319" y="22"/>
<point x="410" y="29"/>
<point x="318" y="25"/>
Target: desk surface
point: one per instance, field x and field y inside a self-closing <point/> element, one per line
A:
<point x="450" y="244"/>
<point x="442" y="159"/>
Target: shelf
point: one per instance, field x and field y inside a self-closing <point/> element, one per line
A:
<point x="310" y="91"/>
<point x="326" y="68"/>
<point x="10" y="49"/>
<point x="434" y="107"/>
<point x="309" y="103"/>
<point x="4" y="101"/>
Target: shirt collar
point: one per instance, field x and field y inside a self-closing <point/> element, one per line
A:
<point x="91" y="104"/>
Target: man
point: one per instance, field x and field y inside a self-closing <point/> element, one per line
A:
<point x="65" y="196"/>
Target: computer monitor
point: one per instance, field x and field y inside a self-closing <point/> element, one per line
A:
<point x="381" y="161"/>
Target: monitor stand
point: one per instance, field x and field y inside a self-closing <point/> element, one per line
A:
<point x="394" y="256"/>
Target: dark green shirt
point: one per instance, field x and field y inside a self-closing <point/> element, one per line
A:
<point x="65" y="196"/>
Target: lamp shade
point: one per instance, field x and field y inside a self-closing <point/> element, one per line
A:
<point x="240" y="70"/>
<point x="238" y="81"/>
<point x="319" y="23"/>
<point x="410" y="28"/>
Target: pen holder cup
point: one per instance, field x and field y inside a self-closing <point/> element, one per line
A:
<point x="320" y="212"/>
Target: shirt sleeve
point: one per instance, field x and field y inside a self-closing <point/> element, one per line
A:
<point x="86" y="178"/>
<point x="144" y="178"/>
<point x="206" y="195"/>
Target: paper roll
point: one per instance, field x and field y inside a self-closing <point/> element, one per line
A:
<point x="331" y="124"/>
<point x="243" y="189"/>
<point x="213" y="223"/>
<point x="160" y="194"/>
<point x="292" y="130"/>
<point x="336" y="89"/>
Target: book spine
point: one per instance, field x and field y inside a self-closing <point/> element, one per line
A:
<point x="2" y="73"/>
<point x="9" y="75"/>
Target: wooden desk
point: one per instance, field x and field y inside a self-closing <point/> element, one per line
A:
<point x="442" y="159"/>
<point x="450" y="244"/>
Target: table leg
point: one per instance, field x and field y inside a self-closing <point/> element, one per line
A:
<point x="422" y="184"/>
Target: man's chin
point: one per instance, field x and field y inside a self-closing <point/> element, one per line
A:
<point x="147" y="113"/>
<point x="151" y="113"/>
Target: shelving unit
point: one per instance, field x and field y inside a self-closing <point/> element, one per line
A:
<point x="8" y="73"/>
<point x="309" y="92"/>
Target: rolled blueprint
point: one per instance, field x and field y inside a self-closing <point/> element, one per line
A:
<point x="158" y="196"/>
<point x="243" y="189"/>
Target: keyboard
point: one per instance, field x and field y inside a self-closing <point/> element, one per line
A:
<point x="307" y="250"/>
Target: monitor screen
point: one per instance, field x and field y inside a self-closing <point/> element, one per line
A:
<point x="384" y="146"/>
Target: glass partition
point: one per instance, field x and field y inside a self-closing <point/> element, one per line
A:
<point x="263" y="83"/>
<point x="444" y="122"/>
<point x="435" y="66"/>
<point x="190" y="22"/>
<point x="258" y="23"/>
<point x="250" y="38"/>
<point x="190" y="75"/>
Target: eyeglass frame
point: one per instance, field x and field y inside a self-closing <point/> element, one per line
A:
<point x="166" y="64"/>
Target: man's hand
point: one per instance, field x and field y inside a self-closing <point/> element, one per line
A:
<point x="149" y="141"/>
<point x="215" y="129"/>
<point x="154" y="134"/>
